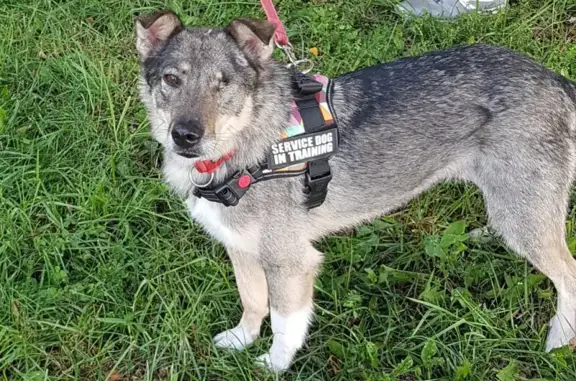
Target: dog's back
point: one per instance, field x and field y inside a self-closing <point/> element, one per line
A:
<point x="408" y="124"/>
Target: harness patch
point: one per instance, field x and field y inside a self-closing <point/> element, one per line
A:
<point x="302" y="148"/>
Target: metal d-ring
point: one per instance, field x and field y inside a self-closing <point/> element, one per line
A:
<point x="297" y="64"/>
<point x="200" y="185"/>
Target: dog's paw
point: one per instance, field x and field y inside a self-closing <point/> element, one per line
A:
<point x="236" y="338"/>
<point x="561" y="333"/>
<point x="279" y="358"/>
<point x="275" y="362"/>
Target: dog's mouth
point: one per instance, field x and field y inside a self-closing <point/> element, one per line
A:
<point x="188" y="155"/>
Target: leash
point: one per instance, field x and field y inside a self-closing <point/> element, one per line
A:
<point x="280" y="35"/>
<point x="281" y="38"/>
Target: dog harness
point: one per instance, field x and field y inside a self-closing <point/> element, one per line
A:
<point x="304" y="148"/>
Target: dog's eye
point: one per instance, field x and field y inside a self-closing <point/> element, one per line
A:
<point x="172" y="80"/>
<point x="224" y="81"/>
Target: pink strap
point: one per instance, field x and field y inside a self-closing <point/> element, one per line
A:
<point x="280" y="34"/>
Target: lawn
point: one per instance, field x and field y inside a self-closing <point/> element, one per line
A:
<point x="104" y="277"/>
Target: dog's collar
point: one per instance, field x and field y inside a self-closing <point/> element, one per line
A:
<point x="210" y="166"/>
<point x="310" y="139"/>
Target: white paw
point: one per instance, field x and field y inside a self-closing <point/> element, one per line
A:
<point x="289" y="334"/>
<point x="276" y="362"/>
<point x="560" y="334"/>
<point x="236" y="338"/>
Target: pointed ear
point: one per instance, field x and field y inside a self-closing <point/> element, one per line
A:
<point x="153" y="30"/>
<point x="254" y="37"/>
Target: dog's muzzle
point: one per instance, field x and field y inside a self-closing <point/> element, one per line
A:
<point x="187" y="133"/>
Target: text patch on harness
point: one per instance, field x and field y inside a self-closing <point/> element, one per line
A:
<point x="302" y="148"/>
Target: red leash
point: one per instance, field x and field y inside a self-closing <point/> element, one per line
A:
<point x="280" y="35"/>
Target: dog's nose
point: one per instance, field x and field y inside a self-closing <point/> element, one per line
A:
<point x="187" y="134"/>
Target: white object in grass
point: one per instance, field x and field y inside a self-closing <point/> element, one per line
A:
<point x="449" y="8"/>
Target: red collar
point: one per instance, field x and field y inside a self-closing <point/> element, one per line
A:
<point x="209" y="166"/>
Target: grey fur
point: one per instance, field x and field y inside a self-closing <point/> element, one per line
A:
<point x="477" y="113"/>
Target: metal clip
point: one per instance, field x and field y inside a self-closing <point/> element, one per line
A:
<point x="288" y="49"/>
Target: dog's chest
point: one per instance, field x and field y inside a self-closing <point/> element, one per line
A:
<point x="176" y="174"/>
<point x="211" y="216"/>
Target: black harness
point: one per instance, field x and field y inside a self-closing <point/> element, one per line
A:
<point x="317" y="172"/>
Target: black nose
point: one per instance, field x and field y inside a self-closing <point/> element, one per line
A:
<point x="186" y="134"/>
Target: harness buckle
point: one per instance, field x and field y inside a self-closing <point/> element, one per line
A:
<point x="229" y="193"/>
<point x="316" y="183"/>
<point x="305" y="85"/>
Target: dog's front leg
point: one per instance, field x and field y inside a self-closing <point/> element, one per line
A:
<point x="290" y="279"/>
<point x="252" y="287"/>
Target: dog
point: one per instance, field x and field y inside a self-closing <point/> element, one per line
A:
<point x="477" y="113"/>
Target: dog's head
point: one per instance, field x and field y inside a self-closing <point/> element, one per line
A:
<point x="198" y="83"/>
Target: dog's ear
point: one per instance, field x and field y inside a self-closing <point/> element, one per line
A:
<point x="254" y="37"/>
<point x="153" y="30"/>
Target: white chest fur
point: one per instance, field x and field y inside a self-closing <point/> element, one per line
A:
<point x="176" y="173"/>
<point x="210" y="216"/>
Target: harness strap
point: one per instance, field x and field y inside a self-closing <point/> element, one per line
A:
<point x="318" y="175"/>
<point x="305" y="89"/>
<point x="316" y="183"/>
<point x="232" y="190"/>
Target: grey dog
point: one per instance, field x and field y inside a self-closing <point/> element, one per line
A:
<point x="476" y="113"/>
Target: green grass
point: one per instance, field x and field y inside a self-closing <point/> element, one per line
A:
<point x="104" y="277"/>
